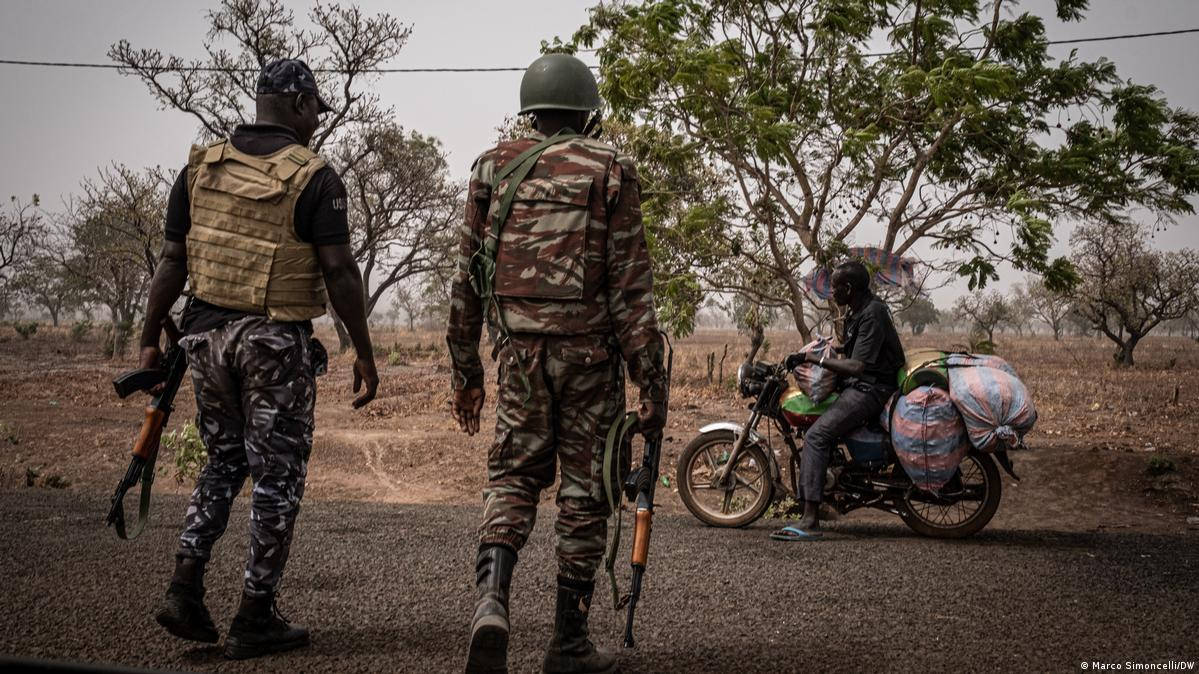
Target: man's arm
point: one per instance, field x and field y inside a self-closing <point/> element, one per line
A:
<point x="344" y="284"/>
<point x="630" y="295"/>
<point x="465" y="326"/>
<point x="170" y="275"/>
<point x="169" y="278"/>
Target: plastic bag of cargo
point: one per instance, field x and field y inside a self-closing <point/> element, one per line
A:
<point x="929" y="436"/>
<point x="816" y="382"/>
<point x="994" y="404"/>
<point x="978" y="360"/>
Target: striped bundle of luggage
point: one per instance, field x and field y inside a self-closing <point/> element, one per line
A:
<point x="949" y="402"/>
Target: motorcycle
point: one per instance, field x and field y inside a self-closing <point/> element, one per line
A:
<point x="729" y="475"/>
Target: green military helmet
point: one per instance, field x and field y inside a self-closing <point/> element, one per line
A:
<point x="558" y="82"/>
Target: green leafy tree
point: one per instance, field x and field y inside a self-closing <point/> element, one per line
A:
<point x="1128" y="288"/>
<point x="965" y="130"/>
<point x="918" y="313"/>
<point x="112" y="236"/>
<point x="44" y="282"/>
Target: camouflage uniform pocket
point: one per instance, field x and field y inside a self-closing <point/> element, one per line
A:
<point x="543" y="243"/>
<point x="272" y="354"/>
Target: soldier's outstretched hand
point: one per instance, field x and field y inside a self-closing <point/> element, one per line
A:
<point x="466" y="407"/>
<point x="364" y="373"/>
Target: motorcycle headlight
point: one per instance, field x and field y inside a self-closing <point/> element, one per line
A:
<point x="751" y="377"/>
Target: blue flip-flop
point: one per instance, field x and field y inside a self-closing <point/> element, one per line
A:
<point x="795" y="534"/>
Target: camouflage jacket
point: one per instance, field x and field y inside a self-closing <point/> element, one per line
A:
<point x="572" y="258"/>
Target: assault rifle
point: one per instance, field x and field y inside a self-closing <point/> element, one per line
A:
<point x="640" y="487"/>
<point x="145" y="449"/>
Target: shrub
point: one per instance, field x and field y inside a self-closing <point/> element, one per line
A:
<point x="114" y="342"/>
<point x="396" y="357"/>
<point x="980" y="344"/>
<point x="190" y="455"/>
<point x="25" y="328"/>
<point x="80" y="330"/>
<point x="8" y="434"/>
<point x="1159" y="465"/>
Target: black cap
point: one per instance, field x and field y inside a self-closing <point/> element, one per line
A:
<point x="289" y="76"/>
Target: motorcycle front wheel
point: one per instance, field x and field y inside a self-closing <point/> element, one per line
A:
<point x="742" y="503"/>
<point x="965" y="505"/>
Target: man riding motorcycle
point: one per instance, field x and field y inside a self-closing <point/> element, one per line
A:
<point x="873" y="359"/>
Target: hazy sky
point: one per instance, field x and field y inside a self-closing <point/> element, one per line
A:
<point x="58" y="125"/>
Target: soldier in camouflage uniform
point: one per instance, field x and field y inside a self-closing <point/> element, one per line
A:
<point x="569" y="306"/>
<point x="257" y="223"/>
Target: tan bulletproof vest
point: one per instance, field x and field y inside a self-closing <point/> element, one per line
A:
<point x="242" y="248"/>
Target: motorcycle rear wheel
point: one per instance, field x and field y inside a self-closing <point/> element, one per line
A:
<point x="978" y="471"/>
<point x="716" y="507"/>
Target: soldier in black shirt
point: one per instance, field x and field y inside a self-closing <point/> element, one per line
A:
<point x="870" y="368"/>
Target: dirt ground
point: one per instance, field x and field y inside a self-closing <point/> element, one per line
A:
<point x="1113" y="448"/>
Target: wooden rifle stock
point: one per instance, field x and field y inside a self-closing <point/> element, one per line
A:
<point x="150" y="436"/>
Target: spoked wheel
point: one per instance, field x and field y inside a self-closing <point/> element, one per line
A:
<point x="743" y="501"/>
<point x="964" y="506"/>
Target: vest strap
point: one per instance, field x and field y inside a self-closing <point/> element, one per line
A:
<point x="215" y="152"/>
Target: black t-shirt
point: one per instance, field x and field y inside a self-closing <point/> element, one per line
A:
<point x="320" y="215"/>
<point x="870" y="337"/>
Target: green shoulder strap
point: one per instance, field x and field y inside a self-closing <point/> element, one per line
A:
<point x="482" y="263"/>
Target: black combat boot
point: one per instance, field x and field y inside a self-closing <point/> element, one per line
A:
<point x="259" y="629"/>
<point x="570" y="651"/>
<point x="489" y="629"/>
<point x="183" y="613"/>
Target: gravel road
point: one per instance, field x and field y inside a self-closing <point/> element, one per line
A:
<point x="389" y="588"/>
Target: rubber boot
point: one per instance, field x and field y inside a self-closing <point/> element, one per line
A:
<point x="571" y="651"/>
<point x="259" y="629"/>
<point x="488" y="652"/>
<point x="183" y="613"/>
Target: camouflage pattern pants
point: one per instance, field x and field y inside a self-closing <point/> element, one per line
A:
<point x="577" y="392"/>
<point x="255" y="384"/>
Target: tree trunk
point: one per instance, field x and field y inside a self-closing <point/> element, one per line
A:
<point x="343" y="335"/>
<point x="797" y="315"/>
<point x="1124" y="353"/>
<point x="54" y="315"/>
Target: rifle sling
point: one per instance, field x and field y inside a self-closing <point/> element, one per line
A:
<point x="615" y="440"/>
<point x="143" y="505"/>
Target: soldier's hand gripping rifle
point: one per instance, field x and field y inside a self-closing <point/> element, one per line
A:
<point x="640" y="488"/>
<point x="145" y="449"/>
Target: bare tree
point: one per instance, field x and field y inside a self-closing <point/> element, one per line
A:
<point x="20" y="227"/>
<point x="403" y="204"/>
<point x="1050" y="306"/>
<point x="985" y="310"/>
<point x="1128" y="288"/>
<point x="407" y="299"/>
<point x="1020" y="312"/>
<point x="244" y="35"/>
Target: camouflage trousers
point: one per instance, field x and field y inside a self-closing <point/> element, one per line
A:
<point x="577" y="392"/>
<point x="255" y="384"/>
